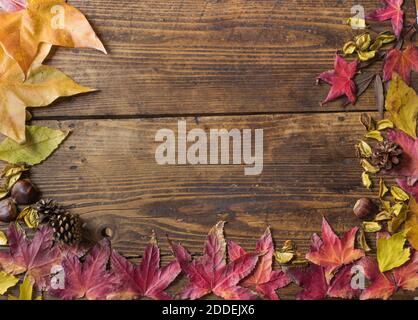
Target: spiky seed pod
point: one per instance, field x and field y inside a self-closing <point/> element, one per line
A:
<point x="386" y="155"/>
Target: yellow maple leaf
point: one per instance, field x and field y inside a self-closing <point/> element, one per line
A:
<point x="25" y="291"/>
<point x="7" y="281"/>
<point x="43" y="85"/>
<point x="411" y="224"/>
<point x="391" y="252"/>
<point x="44" y="21"/>
<point x="402" y="104"/>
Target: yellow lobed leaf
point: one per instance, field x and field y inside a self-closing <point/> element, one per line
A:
<point x="402" y="104"/>
<point x="25" y="291"/>
<point x="43" y="86"/>
<point x="40" y="143"/>
<point x="398" y="194"/>
<point x="411" y="224"/>
<point x="7" y="281"/>
<point x="45" y="21"/>
<point x="3" y="239"/>
<point x="391" y="252"/>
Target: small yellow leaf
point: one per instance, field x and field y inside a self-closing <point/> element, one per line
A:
<point x="13" y="169"/>
<point x="365" y="178"/>
<point x="397" y="208"/>
<point x="7" y="281"/>
<point x="361" y="239"/>
<point x="386" y="205"/>
<point x="398" y="194"/>
<point x="364" y="149"/>
<point x="382" y="216"/>
<point x="283" y="257"/>
<point x="391" y="252"/>
<point x="376" y="45"/>
<point x="30" y="216"/>
<point x="382" y="188"/>
<point x="384" y="124"/>
<point x="386" y="37"/>
<point x="12" y="180"/>
<point x="3" y="239"/>
<point x="349" y="48"/>
<point x="363" y="41"/>
<point x="368" y="167"/>
<point x="376" y="135"/>
<point x="3" y="193"/>
<point x="371" y="226"/>
<point x="366" y="55"/>
<point x="397" y="221"/>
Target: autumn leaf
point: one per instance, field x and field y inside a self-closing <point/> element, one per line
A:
<point x="44" y="21"/>
<point x="40" y="143"/>
<point x="89" y="279"/>
<point x="34" y="257"/>
<point x="401" y="62"/>
<point x="341" y="80"/>
<point x="12" y="5"/>
<point x="3" y="239"/>
<point x="411" y="224"/>
<point x="211" y="273"/>
<point x="402" y="104"/>
<point x="25" y="291"/>
<point x="315" y="285"/>
<point x="265" y="280"/>
<point x="391" y="252"/>
<point x="43" y="86"/>
<point x="384" y="285"/>
<point x="408" y="167"/>
<point x="332" y="252"/>
<point x="145" y="280"/>
<point x="7" y="281"/>
<point x="392" y="11"/>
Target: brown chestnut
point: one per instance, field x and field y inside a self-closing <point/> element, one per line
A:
<point x="8" y="210"/>
<point x="364" y="208"/>
<point x="24" y="192"/>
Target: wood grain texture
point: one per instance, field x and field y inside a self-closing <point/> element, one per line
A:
<point x="106" y="171"/>
<point x="207" y="57"/>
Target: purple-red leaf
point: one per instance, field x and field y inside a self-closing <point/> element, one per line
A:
<point x="341" y="80"/>
<point x="263" y="278"/>
<point x="89" y="279"/>
<point x="36" y="257"/>
<point x="147" y="279"/>
<point x="392" y="11"/>
<point x="211" y="273"/>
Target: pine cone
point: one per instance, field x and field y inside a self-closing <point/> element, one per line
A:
<point x="386" y="155"/>
<point x="67" y="226"/>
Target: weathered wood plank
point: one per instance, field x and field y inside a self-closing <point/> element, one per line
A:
<point x="106" y="171"/>
<point x="207" y="57"/>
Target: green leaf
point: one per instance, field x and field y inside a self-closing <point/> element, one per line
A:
<point x="40" y="143"/>
<point x="391" y="253"/>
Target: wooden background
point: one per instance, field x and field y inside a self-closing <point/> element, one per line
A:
<point x="217" y="64"/>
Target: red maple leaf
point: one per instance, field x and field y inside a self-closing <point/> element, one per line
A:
<point x="12" y="5"/>
<point x="211" y="273"/>
<point x="332" y="252"/>
<point x="147" y="279"/>
<point x="392" y="11"/>
<point x="89" y="279"/>
<point x="401" y="62"/>
<point x="384" y="285"/>
<point x="315" y="285"/>
<point x="265" y="280"/>
<point x="341" y="80"/>
<point x="34" y="257"/>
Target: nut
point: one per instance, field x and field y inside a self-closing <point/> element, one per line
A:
<point x="24" y="192"/>
<point x="364" y="208"/>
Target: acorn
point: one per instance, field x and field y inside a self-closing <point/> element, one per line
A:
<point x="364" y="208"/>
<point x="8" y="210"/>
<point x="24" y="192"/>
